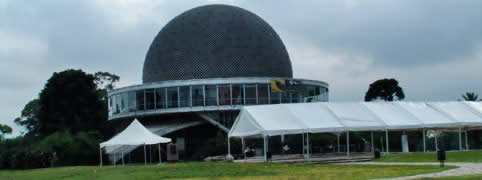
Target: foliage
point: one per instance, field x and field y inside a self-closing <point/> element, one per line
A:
<point x="470" y="96"/>
<point x="221" y="170"/>
<point x="67" y="149"/>
<point x="384" y="89"/>
<point x="70" y="101"/>
<point x="64" y="125"/>
<point x="29" y="117"/>
<point x="4" y="129"/>
<point x="455" y="156"/>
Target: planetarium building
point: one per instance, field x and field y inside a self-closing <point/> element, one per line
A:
<point x="201" y="68"/>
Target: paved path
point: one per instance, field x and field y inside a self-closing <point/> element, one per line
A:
<point x="464" y="169"/>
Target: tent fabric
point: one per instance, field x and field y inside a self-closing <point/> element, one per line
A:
<point x="271" y="120"/>
<point x="134" y="134"/>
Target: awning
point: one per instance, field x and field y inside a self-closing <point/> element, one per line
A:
<point x="279" y="119"/>
<point x="135" y="134"/>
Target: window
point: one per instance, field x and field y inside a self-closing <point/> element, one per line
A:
<point x="124" y="104"/>
<point x="211" y="95"/>
<point x="263" y="94"/>
<point x="140" y="100"/>
<point x="184" y="96"/>
<point x="250" y="93"/>
<point x="275" y="97"/>
<point x="224" y="94"/>
<point x="197" y="96"/>
<point x="131" y="101"/>
<point x="285" y="97"/>
<point x="150" y="99"/>
<point x="238" y="95"/>
<point x="160" y="98"/>
<point x="296" y="96"/>
<point x="172" y="98"/>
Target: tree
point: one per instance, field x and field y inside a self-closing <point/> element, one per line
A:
<point x="70" y="102"/>
<point x="384" y="89"/>
<point x="470" y="96"/>
<point x="29" y="117"/>
<point x="105" y="81"/>
<point x="4" y="129"/>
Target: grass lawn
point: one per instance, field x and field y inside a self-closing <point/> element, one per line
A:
<point x="456" y="156"/>
<point x="222" y="170"/>
<point x="475" y="176"/>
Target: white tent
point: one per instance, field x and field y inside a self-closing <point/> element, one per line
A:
<point x="134" y="135"/>
<point x="282" y="119"/>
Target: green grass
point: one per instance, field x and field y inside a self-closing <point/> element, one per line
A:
<point x="221" y="170"/>
<point x="463" y="156"/>
<point x="475" y="176"/>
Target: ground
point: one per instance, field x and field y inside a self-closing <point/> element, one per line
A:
<point x="222" y="170"/>
<point x="388" y="167"/>
<point x="456" y="156"/>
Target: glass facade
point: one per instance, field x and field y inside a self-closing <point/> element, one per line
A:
<point x="210" y="95"/>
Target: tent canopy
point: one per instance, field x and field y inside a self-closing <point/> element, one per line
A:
<point x="135" y="134"/>
<point x="271" y="120"/>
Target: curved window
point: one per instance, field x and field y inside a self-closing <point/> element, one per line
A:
<point x="172" y="97"/>
<point x="184" y="96"/>
<point x="263" y="91"/>
<point x="131" y="101"/>
<point x="150" y="104"/>
<point x="211" y="95"/>
<point x="197" y="95"/>
<point x="160" y="98"/>
<point x="224" y="94"/>
<point x="250" y="93"/>
<point x="140" y="100"/>
<point x="238" y="95"/>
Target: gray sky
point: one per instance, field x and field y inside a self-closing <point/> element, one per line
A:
<point x="433" y="48"/>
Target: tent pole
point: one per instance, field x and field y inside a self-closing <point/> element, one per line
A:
<point x="423" y="136"/>
<point x="348" y="143"/>
<point x="308" y="144"/>
<point x="243" y="148"/>
<point x="303" y="143"/>
<point x="460" y="139"/>
<point x="100" y="151"/>
<point x="229" y="147"/>
<point x="145" y="156"/>
<point x="466" y="141"/>
<point x="371" y="134"/>
<point x="386" y="139"/>
<point x="282" y="144"/>
<point x="264" y="144"/>
<point x="160" y="160"/>
<point x="436" y="144"/>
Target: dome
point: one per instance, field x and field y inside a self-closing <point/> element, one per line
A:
<point x="216" y="41"/>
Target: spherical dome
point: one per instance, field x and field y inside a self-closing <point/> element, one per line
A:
<point x="216" y="41"/>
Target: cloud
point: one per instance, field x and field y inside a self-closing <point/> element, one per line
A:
<point x="432" y="47"/>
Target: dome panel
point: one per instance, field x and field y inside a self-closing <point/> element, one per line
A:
<point x="216" y="41"/>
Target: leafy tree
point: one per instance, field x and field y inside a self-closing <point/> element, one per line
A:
<point x="29" y="117"/>
<point x="384" y="89"/>
<point x="4" y="129"/>
<point x="70" y="101"/>
<point x="470" y="96"/>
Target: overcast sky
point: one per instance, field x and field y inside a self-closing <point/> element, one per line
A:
<point x="433" y="48"/>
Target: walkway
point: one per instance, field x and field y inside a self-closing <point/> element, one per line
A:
<point x="464" y="169"/>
